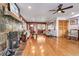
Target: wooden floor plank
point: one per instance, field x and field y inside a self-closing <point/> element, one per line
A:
<point x="51" y="46"/>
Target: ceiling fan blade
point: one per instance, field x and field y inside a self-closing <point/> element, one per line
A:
<point x="55" y="12"/>
<point x="68" y="7"/>
<point x="52" y="10"/>
<point x="62" y="11"/>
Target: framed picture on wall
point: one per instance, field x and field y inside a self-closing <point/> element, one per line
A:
<point x="74" y="21"/>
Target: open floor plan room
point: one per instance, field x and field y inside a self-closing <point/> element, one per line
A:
<point x="39" y="29"/>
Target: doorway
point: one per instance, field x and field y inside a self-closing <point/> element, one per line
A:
<point x="62" y="28"/>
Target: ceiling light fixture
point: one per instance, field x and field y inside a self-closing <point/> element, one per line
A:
<point x="72" y="13"/>
<point x="29" y="7"/>
<point x="59" y="11"/>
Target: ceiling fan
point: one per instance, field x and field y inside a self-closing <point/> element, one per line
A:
<point x="60" y="9"/>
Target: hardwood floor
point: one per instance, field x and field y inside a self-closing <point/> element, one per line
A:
<point x="51" y="46"/>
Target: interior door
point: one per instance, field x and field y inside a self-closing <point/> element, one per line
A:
<point x="63" y="28"/>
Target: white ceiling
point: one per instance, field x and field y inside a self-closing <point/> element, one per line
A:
<point x="40" y="11"/>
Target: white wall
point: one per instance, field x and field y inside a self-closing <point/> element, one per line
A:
<point x="53" y="29"/>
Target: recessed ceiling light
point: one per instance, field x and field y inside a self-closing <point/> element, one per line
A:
<point x="29" y="7"/>
<point x="72" y="13"/>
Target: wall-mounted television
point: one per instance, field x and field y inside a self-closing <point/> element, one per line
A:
<point x="14" y="9"/>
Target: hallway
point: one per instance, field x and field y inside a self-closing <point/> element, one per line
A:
<point x="51" y="46"/>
